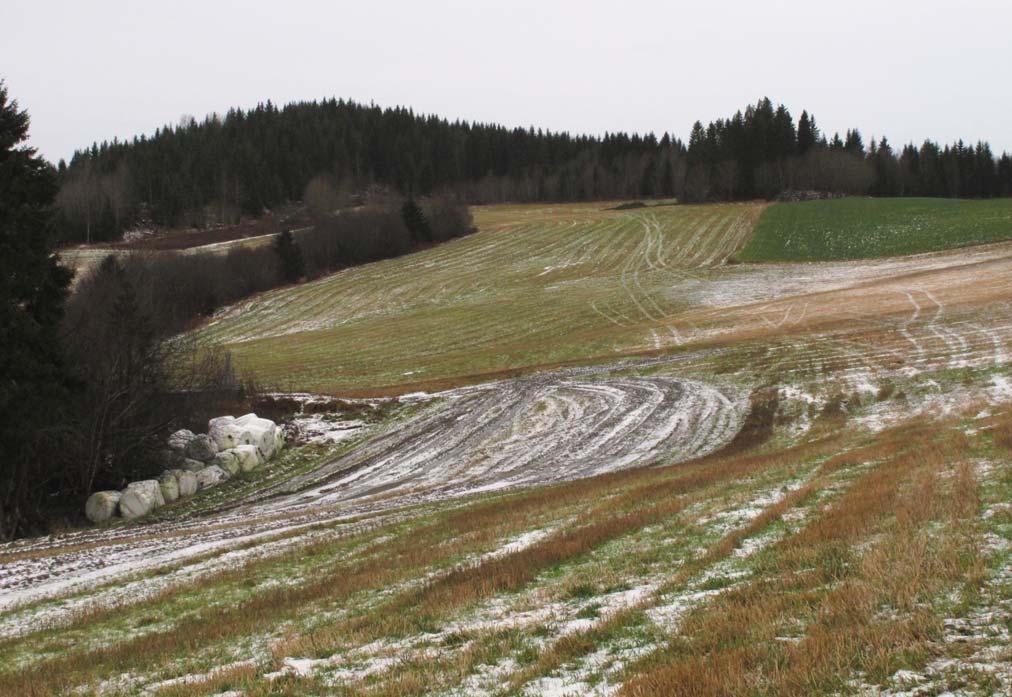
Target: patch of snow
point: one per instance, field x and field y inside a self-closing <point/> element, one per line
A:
<point x="318" y="429"/>
<point x="1001" y="388"/>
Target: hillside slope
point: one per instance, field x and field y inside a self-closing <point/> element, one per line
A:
<point x="537" y="285"/>
<point x="803" y="490"/>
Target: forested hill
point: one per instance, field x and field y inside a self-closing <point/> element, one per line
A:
<point x="247" y="161"/>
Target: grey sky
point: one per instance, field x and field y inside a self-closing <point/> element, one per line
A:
<point x="912" y="69"/>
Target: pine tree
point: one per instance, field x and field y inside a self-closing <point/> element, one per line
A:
<point x="33" y="288"/>
<point x="293" y="266"/>
<point x="415" y="221"/>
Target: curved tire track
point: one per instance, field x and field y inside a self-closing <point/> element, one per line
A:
<point x="551" y="427"/>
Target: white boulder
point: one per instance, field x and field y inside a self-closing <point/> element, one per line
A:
<point x="227" y="434"/>
<point x="248" y="457"/>
<point x="140" y="498"/>
<point x="186" y="480"/>
<point x="210" y="476"/>
<point x="178" y="440"/>
<point x="201" y="448"/>
<point x="228" y="461"/>
<point x="101" y="506"/>
<point x="265" y="434"/>
<point x="169" y="485"/>
<point x="192" y="465"/>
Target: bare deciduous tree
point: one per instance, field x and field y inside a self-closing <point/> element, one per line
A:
<point x="80" y="198"/>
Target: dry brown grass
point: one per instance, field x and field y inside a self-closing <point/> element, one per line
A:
<point x="642" y="505"/>
<point x="94" y="614"/>
<point x="448" y="536"/>
<point x="818" y="579"/>
<point x="580" y="644"/>
<point x="1002" y="433"/>
<point x="613" y="505"/>
<point x="198" y="685"/>
<point x="617" y="499"/>
<point x="644" y="496"/>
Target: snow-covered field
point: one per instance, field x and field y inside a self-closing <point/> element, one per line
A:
<point x="548" y="507"/>
<point x="524" y="432"/>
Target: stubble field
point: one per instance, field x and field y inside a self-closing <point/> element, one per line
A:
<point x="637" y="470"/>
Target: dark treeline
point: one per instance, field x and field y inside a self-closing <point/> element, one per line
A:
<point x="761" y="152"/>
<point x="248" y="161"/>
<point x="245" y="162"/>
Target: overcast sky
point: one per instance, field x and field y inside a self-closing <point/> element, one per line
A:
<point x="911" y="69"/>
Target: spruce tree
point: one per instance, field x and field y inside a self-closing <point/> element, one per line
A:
<point x="293" y="266"/>
<point x="415" y="222"/>
<point x="808" y="134"/>
<point x="854" y="143"/>
<point x="33" y="287"/>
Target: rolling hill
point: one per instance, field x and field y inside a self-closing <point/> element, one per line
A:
<point x="637" y="469"/>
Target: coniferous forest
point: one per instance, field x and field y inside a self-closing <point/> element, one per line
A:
<point x="213" y="171"/>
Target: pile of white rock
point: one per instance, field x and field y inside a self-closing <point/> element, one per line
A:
<point x="194" y="462"/>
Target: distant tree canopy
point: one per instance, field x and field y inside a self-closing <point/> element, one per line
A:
<point x="760" y="153"/>
<point x="248" y="161"/>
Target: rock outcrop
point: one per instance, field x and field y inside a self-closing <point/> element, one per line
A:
<point x="187" y="482"/>
<point x="228" y="461"/>
<point x="227" y="434"/>
<point x="267" y="436"/>
<point x="248" y="457"/>
<point x="192" y="465"/>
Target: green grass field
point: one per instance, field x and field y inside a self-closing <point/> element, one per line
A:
<point x="862" y="228"/>
<point x="538" y="285"/>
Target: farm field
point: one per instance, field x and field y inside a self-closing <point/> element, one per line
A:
<point x="536" y="286"/>
<point x="542" y="286"/>
<point x="860" y="228"/>
<point x="601" y="460"/>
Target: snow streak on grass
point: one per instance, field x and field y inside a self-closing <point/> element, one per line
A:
<point x="556" y="285"/>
